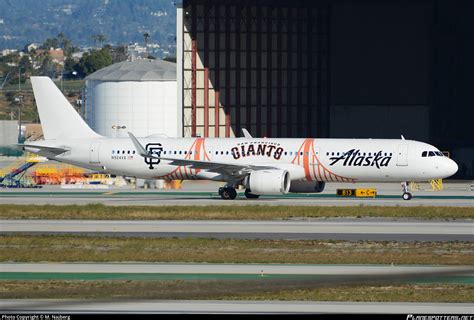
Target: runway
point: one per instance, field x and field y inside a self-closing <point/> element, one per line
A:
<point x="194" y="198"/>
<point x="230" y="269"/>
<point x="336" y="229"/>
<point x="251" y="307"/>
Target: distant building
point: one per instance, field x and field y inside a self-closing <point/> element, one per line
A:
<point x="57" y="55"/>
<point x="6" y="52"/>
<point x="30" y="47"/>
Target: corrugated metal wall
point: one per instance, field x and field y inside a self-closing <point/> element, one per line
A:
<point x="264" y="66"/>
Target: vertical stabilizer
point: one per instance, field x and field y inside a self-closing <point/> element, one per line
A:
<point x="58" y="118"/>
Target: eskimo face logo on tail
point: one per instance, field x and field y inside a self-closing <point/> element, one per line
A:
<point x="155" y="149"/>
<point x="355" y="158"/>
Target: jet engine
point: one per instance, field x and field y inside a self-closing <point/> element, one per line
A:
<point x="273" y="181"/>
<point x="307" y="186"/>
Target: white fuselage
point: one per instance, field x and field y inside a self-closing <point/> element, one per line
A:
<point x="310" y="159"/>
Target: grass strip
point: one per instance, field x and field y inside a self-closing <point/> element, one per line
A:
<point x="233" y="290"/>
<point x="64" y="248"/>
<point x="256" y="212"/>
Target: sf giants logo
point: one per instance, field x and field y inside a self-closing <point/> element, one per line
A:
<point x="154" y="149"/>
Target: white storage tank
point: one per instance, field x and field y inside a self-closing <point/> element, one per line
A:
<point x="137" y="96"/>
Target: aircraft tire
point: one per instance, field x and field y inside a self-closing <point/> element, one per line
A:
<point x="228" y="193"/>
<point x="407" y="196"/>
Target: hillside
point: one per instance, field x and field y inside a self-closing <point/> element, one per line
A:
<point x="121" y="21"/>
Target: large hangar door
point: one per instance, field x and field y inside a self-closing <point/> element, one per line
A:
<point x="258" y="65"/>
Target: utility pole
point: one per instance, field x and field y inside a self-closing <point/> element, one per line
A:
<point x="19" y="99"/>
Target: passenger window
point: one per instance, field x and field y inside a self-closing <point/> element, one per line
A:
<point x="424" y="153"/>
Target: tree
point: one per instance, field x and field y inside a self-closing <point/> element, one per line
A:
<point x="119" y="53"/>
<point x="146" y="36"/>
<point x="50" y="43"/>
<point x="99" y="38"/>
<point x="69" y="64"/>
<point x="93" y="61"/>
<point x="24" y="64"/>
<point x="47" y="67"/>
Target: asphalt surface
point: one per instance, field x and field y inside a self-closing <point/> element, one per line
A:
<point x="343" y="229"/>
<point x="271" y="307"/>
<point x="252" y="269"/>
<point x="199" y="198"/>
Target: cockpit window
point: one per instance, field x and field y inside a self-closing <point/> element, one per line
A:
<point x="432" y="154"/>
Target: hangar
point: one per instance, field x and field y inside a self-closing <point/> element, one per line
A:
<point x="338" y="68"/>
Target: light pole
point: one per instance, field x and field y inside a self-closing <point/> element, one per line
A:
<point x="19" y="77"/>
<point x="19" y="99"/>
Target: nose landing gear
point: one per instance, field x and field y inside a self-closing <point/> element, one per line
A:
<point x="406" y="194"/>
<point x="227" y="192"/>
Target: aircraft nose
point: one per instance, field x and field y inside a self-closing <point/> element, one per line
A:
<point x="451" y="167"/>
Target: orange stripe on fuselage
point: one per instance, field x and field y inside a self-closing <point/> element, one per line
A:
<point x="307" y="146"/>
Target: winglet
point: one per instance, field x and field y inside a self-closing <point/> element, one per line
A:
<point x="246" y="134"/>
<point x="141" y="151"/>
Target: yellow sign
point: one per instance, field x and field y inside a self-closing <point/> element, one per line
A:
<point x="366" y="192"/>
<point x="357" y="192"/>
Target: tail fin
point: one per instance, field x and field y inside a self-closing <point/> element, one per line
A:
<point x="58" y="117"/>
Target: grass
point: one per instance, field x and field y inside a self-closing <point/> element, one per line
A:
<point x="60" y="248"/>
<point x="234" y="290"/>
<point x="256" y="212"/>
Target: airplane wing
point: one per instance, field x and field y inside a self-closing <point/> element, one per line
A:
<point x="211" y="166"/>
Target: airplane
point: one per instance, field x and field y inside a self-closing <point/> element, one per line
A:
<point x="264" y="166"/>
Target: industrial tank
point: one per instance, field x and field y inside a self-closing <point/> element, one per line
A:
<point x="137" y="96"/>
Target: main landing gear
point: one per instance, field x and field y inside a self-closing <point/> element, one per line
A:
<point x="227" y="193"/>
<point x="406" y="195"/>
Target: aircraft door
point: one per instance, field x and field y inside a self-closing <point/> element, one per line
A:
<point x="94" y="152"/>
<point x="402" y="156"/>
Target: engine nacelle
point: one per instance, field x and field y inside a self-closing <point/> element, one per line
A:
<point x="307" y="186"/>
<point x="273" y="181"/>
